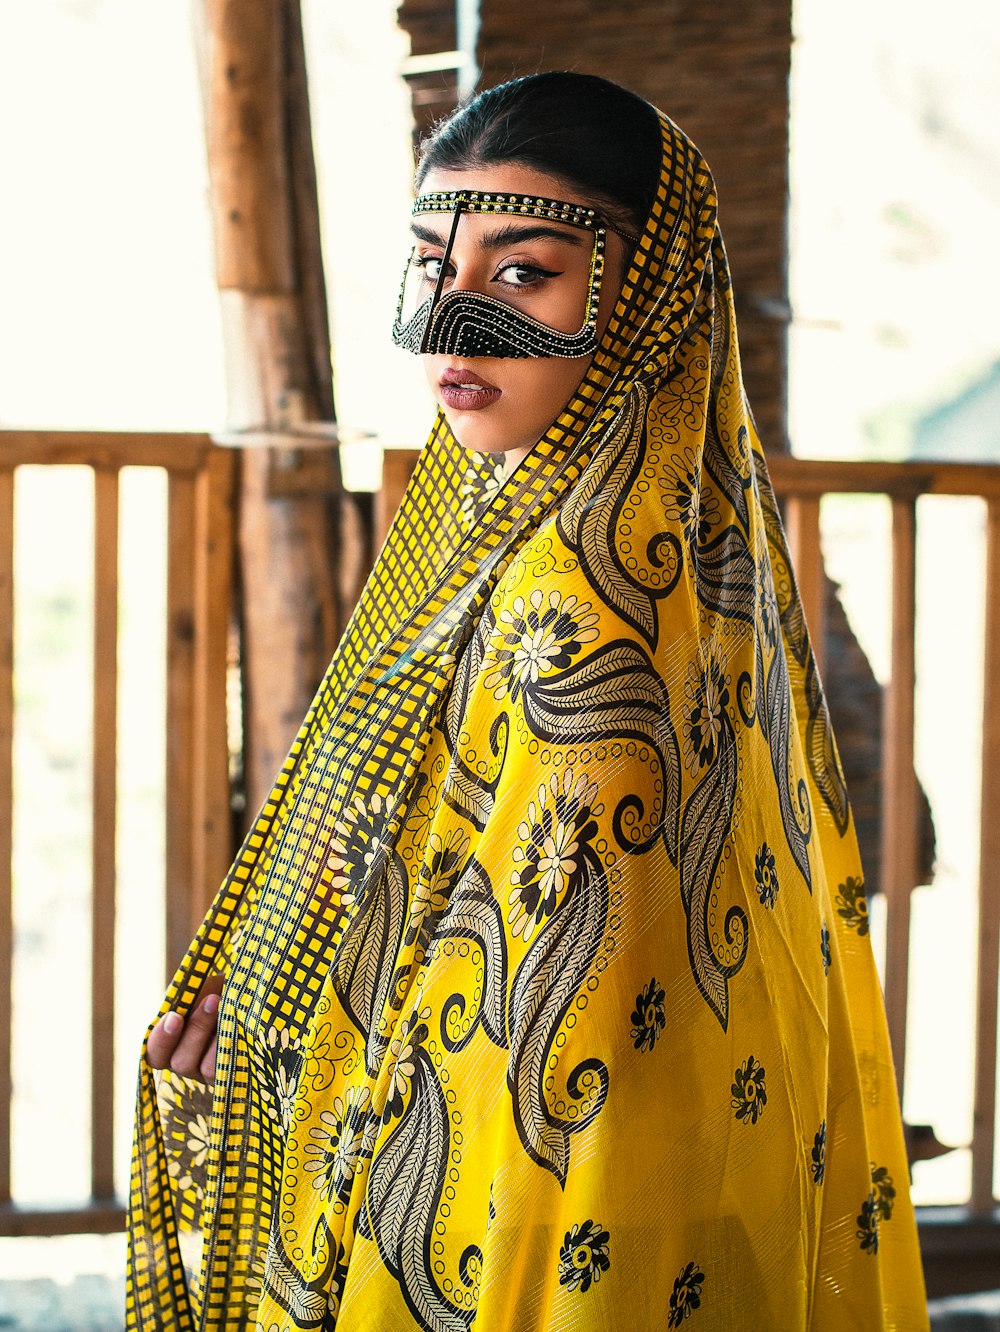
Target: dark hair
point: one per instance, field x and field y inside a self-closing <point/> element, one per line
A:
<point x="592" y="133"/>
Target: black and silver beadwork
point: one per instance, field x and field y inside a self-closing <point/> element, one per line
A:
<point x="470" y="323"/>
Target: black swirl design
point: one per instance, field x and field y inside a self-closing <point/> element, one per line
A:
<point x="705" y="826"/>
<point x="474" y="914"/>
<point x="404" y="1194"/>
<point x="545" y="985"/>
<point x="793" y="796"/>
<point x="614" y="693"/>
<point x="311" y="1304"/>
<point x="363" y="969"/>
<point x="591" y="519"/>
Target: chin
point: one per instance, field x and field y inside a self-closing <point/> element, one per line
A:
<point x="477" y="436"/>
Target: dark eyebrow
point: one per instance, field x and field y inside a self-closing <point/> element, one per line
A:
<point x="513" y="233"/>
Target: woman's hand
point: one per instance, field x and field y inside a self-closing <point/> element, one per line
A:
<point x="187" y="1045"/>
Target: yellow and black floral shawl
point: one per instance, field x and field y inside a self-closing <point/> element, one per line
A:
<point x="549" y="997"/>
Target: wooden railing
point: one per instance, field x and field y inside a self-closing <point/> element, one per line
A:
<point x="960" y="1244"/>
<point x="198" y="825"/>
<point x="802" y="484"/>
<point x="200" y="536"/>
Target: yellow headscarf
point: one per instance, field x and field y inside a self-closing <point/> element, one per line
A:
<point x="549" y="998"/>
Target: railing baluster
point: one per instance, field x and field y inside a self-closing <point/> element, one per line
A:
<point x="103" y="811"/>
<point x="6" y="810"/>
<point x="899" y="782"/>
<point x="803" y="530"/>
<point x="213" y="543"/>
<point x="985" y="1096"/>
<point x="181" y="624"/>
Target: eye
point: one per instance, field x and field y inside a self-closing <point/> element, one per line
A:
<point x="523" y="275"/>
<point x="429" y="265"/>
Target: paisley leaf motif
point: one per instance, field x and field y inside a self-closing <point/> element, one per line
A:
<point x="547" y="981"/>
<point x="793" y="622"/>
<point x="588" y="522"/>
<point x="727" y="575"/>
<point x="474" y="914"/>
<point x="403" y="1196"/>
<point x="705" y="826"/>
<point x="779" y="709"/>
<point x="363" y="967"/>
<point x="613" y="693"/>
<point x="717" y="459"/>
<point x="821" y="752"/>
<point x="465" y="790"/>
<point x="306" y="1302"/>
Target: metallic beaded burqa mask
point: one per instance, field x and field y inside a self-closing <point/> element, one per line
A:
<point x="471" y="323"/>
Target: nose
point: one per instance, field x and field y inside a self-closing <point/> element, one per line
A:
<point x="469" y="275"/>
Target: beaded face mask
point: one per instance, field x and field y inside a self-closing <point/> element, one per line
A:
<point x="430" y="321"/>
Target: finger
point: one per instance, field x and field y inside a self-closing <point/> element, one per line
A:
<point x="207" y="1065"/>
<point x="162" y="1040"/>
<point x="199" y="1031"/>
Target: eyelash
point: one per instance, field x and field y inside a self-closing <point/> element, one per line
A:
<point x="422" y="260"/>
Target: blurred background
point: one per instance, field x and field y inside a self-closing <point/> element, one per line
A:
<point x="857" y="153"/>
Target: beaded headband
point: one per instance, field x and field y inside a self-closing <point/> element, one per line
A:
<point x="470" y="323"/>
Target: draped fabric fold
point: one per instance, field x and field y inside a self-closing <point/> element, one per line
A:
<point x="549" y="999"/>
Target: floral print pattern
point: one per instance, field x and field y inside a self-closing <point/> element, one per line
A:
<point x="686" y="501"/>
<point x="345" y="1135"/>
<point x="355" y="846"/>
<point x="687" y="393"/>
<point x="767" y="610"/>
<point x="705" y="704"/>
<point x="559" y="822"/>
<point x="648" y="1018"/>
<point x="749" y="1093"/>
<point x="867" y="1231"/>
<point x="824" y="948"/>
<point x="413" y="1031"/>
<point x="584" y="1256"/>
<point x="535" y="637"/>
<point x="766" y="876"/>
<point x="186" y="1132"/>
<point x="885" y="1191"/>
<point x="442" y="867"/>
<point x="282" y="1069"/>
<point x="686" y="1295"/>
<point x="818" y="1154"/>
<point x="480" y="491"/>
<point x="852" y="904"/>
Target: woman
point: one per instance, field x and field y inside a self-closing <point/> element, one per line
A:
<point x="548" y="998"/>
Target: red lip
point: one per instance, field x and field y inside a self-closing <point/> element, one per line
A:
<point x="465" y="377"/>
<point x="459" y="390"/>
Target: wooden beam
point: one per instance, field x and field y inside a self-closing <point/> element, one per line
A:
<point x="176" y="451"/>
<point x="98" y="1218"/>
<point x="816" y="477"/>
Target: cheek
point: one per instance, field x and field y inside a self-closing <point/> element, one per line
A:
<point x="536" y="390"/>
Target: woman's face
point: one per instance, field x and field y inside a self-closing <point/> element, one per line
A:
<point x="545" y="277"/>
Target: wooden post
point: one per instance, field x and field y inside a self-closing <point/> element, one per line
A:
<point x="270" y="275"/>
